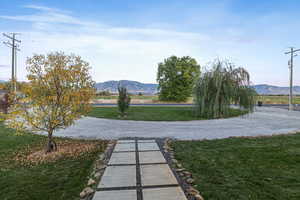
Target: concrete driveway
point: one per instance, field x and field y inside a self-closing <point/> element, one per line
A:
<point x="264" y="121"/>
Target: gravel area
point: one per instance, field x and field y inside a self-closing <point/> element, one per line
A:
<point x="264" y="121"/>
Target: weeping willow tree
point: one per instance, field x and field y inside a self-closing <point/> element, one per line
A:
<point x="220" y="87"/>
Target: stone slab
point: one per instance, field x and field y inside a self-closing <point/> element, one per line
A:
<point x="148" y="147"/>
<point x="125" y="147"/>
<point x="125" y="141"/>
<point x="116" y="195"/>
<point x="145" y="141"/>
<point x="151" y="157"/>
<point x="118" y="176"/>
<point x="168" y="193"/>
<point x="160" y="174"/>
<point x="122" y="158"/>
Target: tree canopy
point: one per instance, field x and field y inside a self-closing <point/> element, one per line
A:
<point x="58" y="92"/>
<point x="222" y="86"/>
<point x="176" y="78"/>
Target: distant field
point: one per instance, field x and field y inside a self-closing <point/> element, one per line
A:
<point x="132" y="97"/>
<point x="270" y="99"/>
<point x="136" y="99"/>
<point x="278" y="99"/>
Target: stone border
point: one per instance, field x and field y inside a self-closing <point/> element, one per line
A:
<point x="98" y="169"/>
<point x="184" y="177"/>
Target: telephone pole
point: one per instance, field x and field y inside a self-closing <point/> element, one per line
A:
<point x="291" y="66"/>
<point x="13" y="44"/>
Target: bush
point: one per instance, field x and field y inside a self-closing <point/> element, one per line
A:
<point x="123" y="100"/>
<point x="222" y="86"/>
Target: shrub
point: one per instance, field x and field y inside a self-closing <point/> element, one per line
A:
<point x="123" y="100"/>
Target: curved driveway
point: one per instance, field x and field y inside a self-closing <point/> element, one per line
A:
<point x="264" y="121"/>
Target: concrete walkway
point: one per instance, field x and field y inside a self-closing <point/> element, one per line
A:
<point x="264" y="121"/>
<point x="137" y="170"/>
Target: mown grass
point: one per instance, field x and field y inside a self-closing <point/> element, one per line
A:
<point x="244" y="168"/>
<point x="61" y="179"/>
<point x="152" y="113"/>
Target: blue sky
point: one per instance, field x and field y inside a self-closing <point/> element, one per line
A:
<point x="125" y="39"/>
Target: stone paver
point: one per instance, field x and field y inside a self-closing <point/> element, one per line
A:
<point x="118" y="176"/>
<point x="122" y="158"/>
<point x="125" y="147"/>
<point x="115" y="195"/>
<point x="264" y="121"/>
<point x="151" y="157"/>
<point x="170" y="193"/>
<point x="157" y="175"/>
<point x="129" y="178"/>
<point x="148" y="146"/>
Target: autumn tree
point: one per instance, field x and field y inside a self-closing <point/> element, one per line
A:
<point x="176" y="78"/>
<point x="58" y="92"/>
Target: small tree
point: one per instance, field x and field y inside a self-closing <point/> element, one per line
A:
<point x="58" y="92"/>
<point x="123" y="100"/>
<point x="176" y="78"/>
<point x="222" y="86"/>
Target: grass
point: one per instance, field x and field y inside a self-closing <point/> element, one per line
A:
<point x="244" y="168"/>
<point x="151" y="113"/>
<point x="61" y="179"/>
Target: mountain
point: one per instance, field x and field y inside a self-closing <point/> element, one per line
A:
<point x="273" y="90"/>
<point x="133" y="87"/>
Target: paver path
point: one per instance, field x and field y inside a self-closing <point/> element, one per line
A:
<point x="265" y="121"/>
<point x="137" y="170"/>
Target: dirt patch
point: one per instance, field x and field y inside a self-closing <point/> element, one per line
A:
<point x="66" y="149"/>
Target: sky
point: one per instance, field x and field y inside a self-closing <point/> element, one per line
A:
<point x="126" y="39"/>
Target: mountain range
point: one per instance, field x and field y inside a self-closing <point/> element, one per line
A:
<point x="135" y="87"/>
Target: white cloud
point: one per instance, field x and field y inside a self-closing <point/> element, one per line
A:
<point x="133" y="53"/>
<point x="114" y="52"/>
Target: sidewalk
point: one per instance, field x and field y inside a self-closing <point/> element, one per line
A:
<point x="137" y="170"/>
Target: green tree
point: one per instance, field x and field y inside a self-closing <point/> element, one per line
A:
<point x="58" y="92"/>
<point x="176" y="78"/>
<point x="123" y="100"/>
<point x="222" y="86"/>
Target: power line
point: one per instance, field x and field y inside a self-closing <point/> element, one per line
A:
<point x="291" y="66"/>
<point x="14" y="45"/>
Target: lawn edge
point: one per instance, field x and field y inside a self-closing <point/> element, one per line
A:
<point x="98" y="169"/>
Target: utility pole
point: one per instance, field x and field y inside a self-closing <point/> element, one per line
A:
<point x="13" y="44"/>
<point x="291" y="66"/>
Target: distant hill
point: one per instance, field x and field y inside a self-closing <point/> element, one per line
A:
<point x="135" y="87"/>
<point x="273" y="90"/>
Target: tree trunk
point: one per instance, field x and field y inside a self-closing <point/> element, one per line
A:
<point x="51" y="145"/>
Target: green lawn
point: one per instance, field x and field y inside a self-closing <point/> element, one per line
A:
<point x="61" y="179"/>
<point x="244" y="168"/>
<point x="155" y="113"/>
